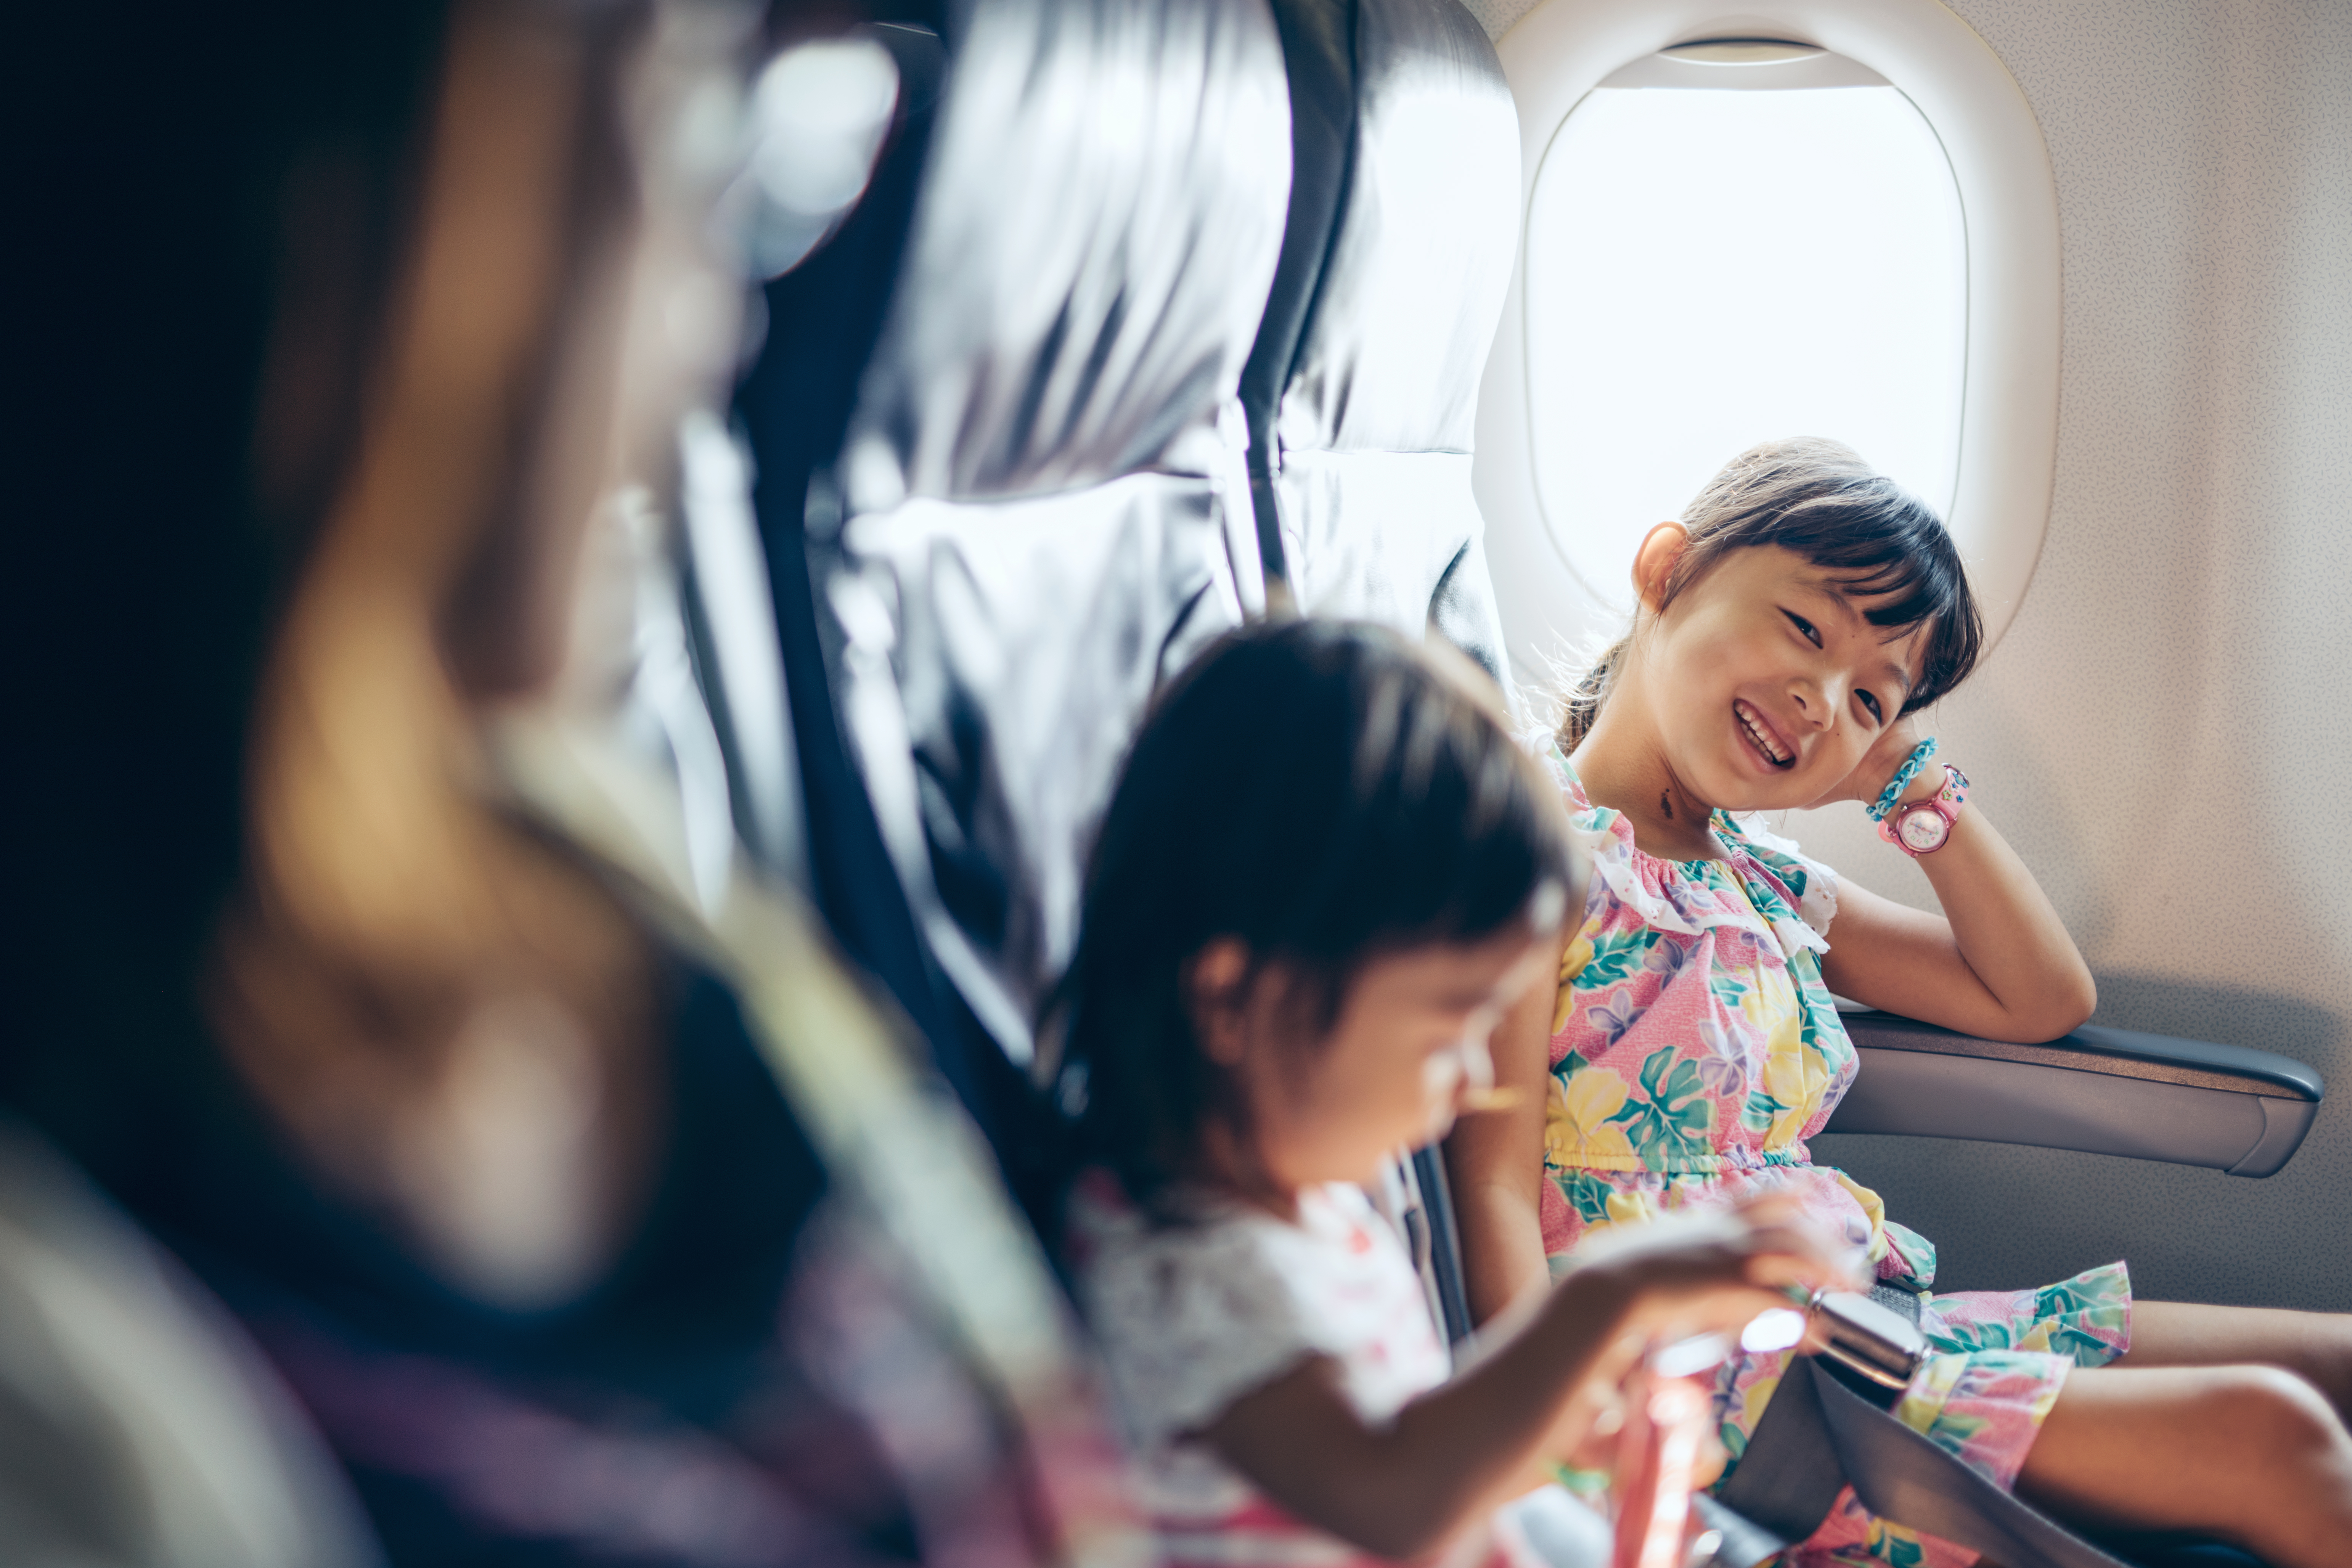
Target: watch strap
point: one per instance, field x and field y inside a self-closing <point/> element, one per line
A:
<point x="1945" y="803"/>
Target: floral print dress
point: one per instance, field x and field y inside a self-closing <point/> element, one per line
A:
<point x="1693" y="1050"/>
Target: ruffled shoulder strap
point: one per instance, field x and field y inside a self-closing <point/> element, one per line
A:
<point x="1665" y="895"/>
<point x="1607" y="840"/>
<point x="1791" y="888"/>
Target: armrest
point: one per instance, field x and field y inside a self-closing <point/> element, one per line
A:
<point x="2102" y="1091"/>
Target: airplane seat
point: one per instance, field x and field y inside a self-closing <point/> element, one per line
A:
<point x="1010" y="381"/>
<point x="791" y="410"/>
<point x="2231" y="1108"/>
<point x="1000" y="482"/>
<point x="2096" y="1090"/>
<point x="1001" y="465"/>
<point x="1361" y="390"/>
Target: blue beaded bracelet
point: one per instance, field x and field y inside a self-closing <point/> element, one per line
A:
<point x="1902" y="779"/>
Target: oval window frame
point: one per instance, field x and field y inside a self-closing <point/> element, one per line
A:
<point x="1562" y="49"/>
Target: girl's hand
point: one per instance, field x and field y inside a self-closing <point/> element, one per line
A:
<point x="1889" y="751"/>
<point x="1689" y="1273"/>
<point x="1712" y="1271"/>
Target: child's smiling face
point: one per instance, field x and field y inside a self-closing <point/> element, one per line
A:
<point x="1406" y="1052"/>
<point x="1765" y="684"/>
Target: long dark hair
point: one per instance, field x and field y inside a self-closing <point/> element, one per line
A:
<point x="1321" y="792"/>
<point x="199" y="404"/>
<point x="1822" y="500"/>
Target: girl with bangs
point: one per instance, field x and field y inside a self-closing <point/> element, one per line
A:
<point x="1791" y="627"/>
<point x="1326" y="873"/>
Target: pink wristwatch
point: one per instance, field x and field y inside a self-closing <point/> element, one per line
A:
<point x="1922" y="826"/>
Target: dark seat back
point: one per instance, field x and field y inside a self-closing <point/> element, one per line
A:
<point x="1362" y="388"/>
<point x="1017" y="498"/>
<point x="1036" y="508"/>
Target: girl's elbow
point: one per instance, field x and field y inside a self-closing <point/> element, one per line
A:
<point x="2079" y="1005"/>
<point x="2068" y="1008"/>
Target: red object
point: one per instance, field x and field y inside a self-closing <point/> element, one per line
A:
<point x="1671" y="1404"/>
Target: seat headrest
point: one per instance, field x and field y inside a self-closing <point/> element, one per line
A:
<point x="1420" y="254"/>
<point x="1089" y="255"/>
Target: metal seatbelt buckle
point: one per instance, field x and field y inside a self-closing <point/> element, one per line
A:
<point x="1872" y="1341"/>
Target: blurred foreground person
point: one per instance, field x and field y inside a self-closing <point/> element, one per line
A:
<point x="136" y="1426"/>
<point x="586" y="1213"/>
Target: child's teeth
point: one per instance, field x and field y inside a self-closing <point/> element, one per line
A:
<point x="1763" y="741"/>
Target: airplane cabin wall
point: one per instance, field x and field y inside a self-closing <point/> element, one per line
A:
<point x="2165" y="733"/>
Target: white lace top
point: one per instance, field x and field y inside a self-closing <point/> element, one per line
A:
<point x="1193" y="1318"/>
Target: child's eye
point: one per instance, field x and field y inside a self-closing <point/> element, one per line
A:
<point x="1870" y="701"/>
<point x="1803" y="626"/>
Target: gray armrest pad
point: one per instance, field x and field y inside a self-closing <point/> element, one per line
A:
<point x="2102" y="1091"/>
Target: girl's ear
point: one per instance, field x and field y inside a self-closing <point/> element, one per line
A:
<point x="1654" y="563"/>
<point x="1215" y="982"/>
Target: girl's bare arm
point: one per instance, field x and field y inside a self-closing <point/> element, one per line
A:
<point x="1997" y="963"/>
<point x="1403" y="1490"/>
<point x="1494" y="1162"/>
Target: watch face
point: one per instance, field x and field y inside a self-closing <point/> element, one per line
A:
<point x="1923" y="828"/>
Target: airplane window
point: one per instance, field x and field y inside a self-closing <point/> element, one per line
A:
<point x="1709" y="267"/>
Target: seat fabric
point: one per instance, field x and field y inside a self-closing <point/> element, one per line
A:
<point x="1381" y="338"/>
<point x="1040" y="508"/>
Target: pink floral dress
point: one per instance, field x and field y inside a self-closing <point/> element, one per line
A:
<point x="1693" y="1050"/>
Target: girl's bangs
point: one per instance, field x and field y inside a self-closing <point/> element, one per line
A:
<point x="1888" y="546"/>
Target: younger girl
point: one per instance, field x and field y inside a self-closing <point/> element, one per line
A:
<point x="1325" y="874"/>
<point x="1789" y="627"/>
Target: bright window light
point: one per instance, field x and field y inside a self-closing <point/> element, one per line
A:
<point x="1706" y="270"/>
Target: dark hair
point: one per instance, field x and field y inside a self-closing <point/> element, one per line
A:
<point x="198" y="408"/>
<point x="1822" y="500"/>
<point x="1323" y="791"/>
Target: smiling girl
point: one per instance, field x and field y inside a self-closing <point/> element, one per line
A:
<point x="1790" y="629"/>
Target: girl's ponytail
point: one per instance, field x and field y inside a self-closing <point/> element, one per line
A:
<point x="1591" y="690"/>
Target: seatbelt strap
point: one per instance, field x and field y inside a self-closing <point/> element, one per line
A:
<point x="1818" y="1435"/>
<point x="1788" y="1476"/>
<point x="1900" y="1475"/>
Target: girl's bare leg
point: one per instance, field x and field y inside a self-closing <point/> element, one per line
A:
<point x="2253" y="1455"/>
<point x="2316" y="1346"/>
